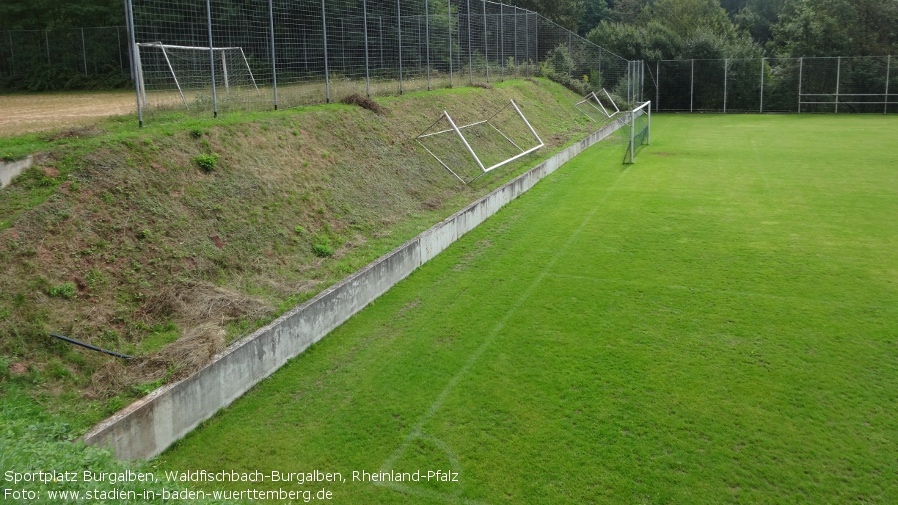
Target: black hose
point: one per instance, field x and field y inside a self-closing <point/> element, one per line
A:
<point x="91" y="347"/>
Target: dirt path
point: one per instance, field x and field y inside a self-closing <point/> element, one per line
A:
<point x="32" y="113"/>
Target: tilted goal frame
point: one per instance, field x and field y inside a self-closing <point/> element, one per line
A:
<point x="458" y="132"/>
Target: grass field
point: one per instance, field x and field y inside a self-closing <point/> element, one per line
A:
<point x="714" y="324"/>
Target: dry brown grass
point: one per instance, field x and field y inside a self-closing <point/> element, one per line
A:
<point x="196" y="303"/>
<point x="21" y="114"/>
<point x="364" y="102"/>
<point x="175" y="361"/>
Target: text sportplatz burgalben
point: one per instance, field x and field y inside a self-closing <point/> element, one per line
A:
<point x="21" y="485"/>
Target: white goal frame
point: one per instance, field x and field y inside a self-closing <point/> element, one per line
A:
<point x="221" y="51"/>
<point x="458" y="131"/>
<point x="593" y="100"/>
<point x="638" y="111"/>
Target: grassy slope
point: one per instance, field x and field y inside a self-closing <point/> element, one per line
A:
<point x="116" y="227"/>
<point x="714" y="324"/>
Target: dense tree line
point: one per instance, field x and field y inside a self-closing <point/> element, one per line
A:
<point x="636" y="29"/>
<point x="671" y="29"/>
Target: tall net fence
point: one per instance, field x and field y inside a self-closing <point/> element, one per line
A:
<point x="58" y="54"/>
<point x="201" y="55"/>
<point x="838" y="84"/>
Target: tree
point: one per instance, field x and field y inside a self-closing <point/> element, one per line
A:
<point x="813" y="28"/>
<point x="566" y="13"/>
<point x="40" y="14"/>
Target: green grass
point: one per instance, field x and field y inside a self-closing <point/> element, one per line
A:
<point x="715" y="324"/>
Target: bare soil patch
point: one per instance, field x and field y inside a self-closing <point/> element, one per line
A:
<point x="20" y="114"/>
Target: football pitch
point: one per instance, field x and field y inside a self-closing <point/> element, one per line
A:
<point x="717" y="323"/>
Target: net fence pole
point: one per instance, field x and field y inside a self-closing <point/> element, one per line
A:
<point x="327" y="79"/>
<point x="486" y="53"/>
<point x="800" y="75"/>
<point x="726" y="68"/>
<point x="274" y="70"/>
<point x="211" y="58"/>
<point x="47" y="42"/>
<point x="367" y="65"/>
<point x="691" y="85"/>
<point x="118" y="39"/>
<point x="470" y="55"/>
<point x="502" y="39"/>
<point x="399" y="25"/>
<point x="449" y="38"/>
<point x="658" y="84"/>
<point x="838" y="79"/>
<point x="129" y="22"/>
<point x="516" y="16"/>
<point x="648" y="130"/>
<point x="427" y="38"/>
<point x="632" y="136"/>
<point x="761" y="109"/>
<point x="527" y="42"/>
<point x="12" y="56"/>
<point x="885" y="108"/>
<point x="84" y="52"/>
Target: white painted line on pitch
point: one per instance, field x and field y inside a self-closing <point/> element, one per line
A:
<point x="417" y="429"/>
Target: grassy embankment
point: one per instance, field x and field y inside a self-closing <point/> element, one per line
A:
<point x="168" y="242"/>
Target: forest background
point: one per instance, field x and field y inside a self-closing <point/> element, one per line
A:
<point x="634" y="29"/>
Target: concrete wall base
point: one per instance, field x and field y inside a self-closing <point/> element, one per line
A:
<point x="150" y="425"/>
<point x="12" y="169"/>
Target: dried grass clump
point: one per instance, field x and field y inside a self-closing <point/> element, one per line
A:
<point x="483" y="85"/>
<point x="364" y="102"/>
<point x="194" y="303"/>
<point x="175" y="361"/>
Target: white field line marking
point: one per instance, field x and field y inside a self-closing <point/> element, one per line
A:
<point x="417" y="429"/>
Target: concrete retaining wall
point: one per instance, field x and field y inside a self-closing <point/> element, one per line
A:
<point x="11" y="169"/>
<point x="150" y="425"/>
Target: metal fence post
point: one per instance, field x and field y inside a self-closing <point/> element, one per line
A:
<point x="657" y="85"/>
<point x="327" y="79"/>
<point x="211" y="58"/>
<point x="501" y="38"/>
<point x="365" y="30"/>
<point x="527" y="42"/>
<point x="486" y="53"/>
<point x="12" y="55"/>
<point x="761" y="111"/>
<point x="399" y="26"/>
<point x="726" y="68"/>
<point x="427" y="38"/>
<point x="274" y="71"/>
<point x="470" y="56"/>
<point x="692" y="86"/>
<point x="84" y="52"/>
<point x="800" y="72"/>
<point x="838" y="79"/>
<point x="885" y="107"/>
<point x="47" y="40"/>
<point x="132" y="45"/>
<point x="449" y="26"/>
<point x="118" y="39"/>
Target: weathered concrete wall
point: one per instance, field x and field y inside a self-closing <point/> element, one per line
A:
<point x="11" y="169"/>
<point x="150" y="425"/>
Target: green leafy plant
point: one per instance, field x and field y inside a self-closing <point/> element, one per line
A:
<point x="65" y="290"/>
<point x="206" y="162"/>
